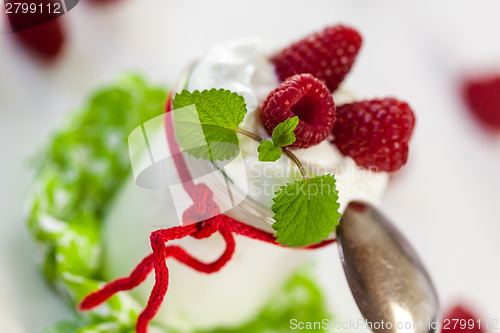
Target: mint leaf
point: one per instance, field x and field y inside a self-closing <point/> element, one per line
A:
<point x="306" y="212"/>
<point x="268" y="152"/>
<point x="209" y="131"/>
<point x="283" y="133"/>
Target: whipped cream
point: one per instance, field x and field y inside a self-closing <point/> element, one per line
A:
<point x="200" y="301"/>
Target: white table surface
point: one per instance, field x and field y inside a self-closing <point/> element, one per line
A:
<point x="445" y="200"/>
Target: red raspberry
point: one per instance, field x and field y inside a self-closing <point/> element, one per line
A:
<point x="461" y="320"/>
<point x="375" y="133"/>
<point x="304" y="96"/>
<point x="328" y="55"/>
<point x="41" y="30"/>
<point x="45" y="40"/>
<point x="482" y="94"/>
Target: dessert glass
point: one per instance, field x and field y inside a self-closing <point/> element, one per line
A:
<point x="235" y="294"/>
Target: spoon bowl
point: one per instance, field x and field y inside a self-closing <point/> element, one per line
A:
<point x="389" y="283"/>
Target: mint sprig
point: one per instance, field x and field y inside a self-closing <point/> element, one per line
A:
<point x="306" y="211"/>
<point x="283" y="135"/>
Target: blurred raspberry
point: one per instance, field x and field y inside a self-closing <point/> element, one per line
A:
<point x="461" y="320"/>
<point x="482" y="95"/>
<point x="40" y="28"/>
<point x="45" y="40"/>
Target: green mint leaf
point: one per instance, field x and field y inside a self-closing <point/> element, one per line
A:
<point x="268" y="152"/>
<point x="306" y="212"/>
<point x="209" y="131"/>
<point x="283" y="133"/>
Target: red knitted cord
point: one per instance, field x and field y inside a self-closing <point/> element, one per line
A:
<point x="175" y="150"/>
<point x="182" y="256"/>
<point x="161" y="282"/>
<point x="204" y="209"/>
<point x="138" y="275"/>
<point x="252" y="232"/>
<point x="162" y="252"/>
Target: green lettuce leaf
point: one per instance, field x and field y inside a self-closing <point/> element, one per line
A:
<point x="77" y="175"/>
<point x="299" y="298"/>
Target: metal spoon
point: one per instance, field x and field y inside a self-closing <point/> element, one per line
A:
<point x="390" y="285"/>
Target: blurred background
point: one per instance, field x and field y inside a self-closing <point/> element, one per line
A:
<point x="445" y="200"/>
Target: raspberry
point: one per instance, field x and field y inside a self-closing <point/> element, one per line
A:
<point x="40" y="31"/>
<point x="375" y="133"/>
<point x="461" y="320"/>
<point x="328" y="55"/>
<point x="482" y="94"/>
<point x="46" y="40"/>
<point x="304" y="96"/>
